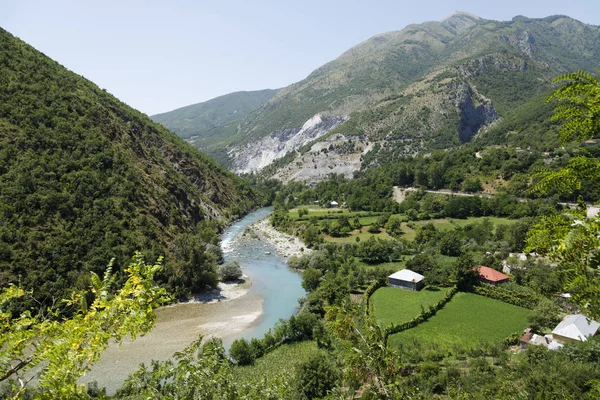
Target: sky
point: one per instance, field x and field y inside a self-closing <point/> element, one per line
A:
<point x="157" y="56"/>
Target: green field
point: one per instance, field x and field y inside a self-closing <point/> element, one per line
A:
<point x="331" y="214"/>
<point x="282" y="360"/>
<point x="400" y="305"/>
<point x="467" y="320"/>
<point x="363" y="234"/>
<point x="444" y="224"/>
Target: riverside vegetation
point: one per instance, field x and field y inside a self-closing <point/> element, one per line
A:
<point x="337" y="346"/>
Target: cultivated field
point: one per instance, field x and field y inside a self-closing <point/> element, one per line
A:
<point x="467" y="321"/>
<point x="281" y="360"/>
<point x="399" y="305"/>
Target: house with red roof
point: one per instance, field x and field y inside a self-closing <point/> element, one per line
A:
<point x="491" y="276"/>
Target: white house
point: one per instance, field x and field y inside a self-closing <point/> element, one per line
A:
<point x="406" y="279"/>
<point x="575" y="327"/>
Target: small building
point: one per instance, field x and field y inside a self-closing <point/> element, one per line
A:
<point x="334" y="203"/>
<point x="406" y="279"/>
<point x="590" y="142"/>
<point x="529" y="338"/>
<point x="575" y="327"/>
<point x="491" y="276"/>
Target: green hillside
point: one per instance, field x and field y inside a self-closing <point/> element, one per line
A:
<point x="204" y="121"/>
<point x="85" y="178"/>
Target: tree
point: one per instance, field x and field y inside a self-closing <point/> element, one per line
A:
<point x="451" y="243"/>
<point x="67" y="347"/>
<point x="472" y="185"/>
<point x="394" y="226"/>
<point x="241" y="352"/>
<point x="230" y="271"/>
<point x="316" y="377"/>
<point x="311" y="279"/>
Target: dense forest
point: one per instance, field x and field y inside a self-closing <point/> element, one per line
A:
<point x="85" y="179"/>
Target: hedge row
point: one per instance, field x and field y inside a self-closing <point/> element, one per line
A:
<point x="512" y="339"/>
<point x="521" y="299"/>
<point x="380" y="282"/>
<point x="424" y="316"/>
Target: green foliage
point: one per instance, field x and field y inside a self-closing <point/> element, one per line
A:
<point x="281" y="361"/>
<point x="394" y="306"/>
<point x="316" y="377"/>
<point x="579" y="109"/>
<point x="85" y="178"/>
<point x="425" y="314"/>
<point x="574" y="244"/>
<point x="200" y="371"/>
<point x="230" y="271"/>
<point x="570" y="239"/>
<point x="64" y="349"/>
<point x="210" y="119"/>
<point x="521" y="298"/>
<point x="241" y="352"/>
<point x="311" y="278"/>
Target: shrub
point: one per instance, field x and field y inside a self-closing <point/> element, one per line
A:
<point x="230" y="271"/>
<point x="241" y="352"/>
<point x="316" y="377"/>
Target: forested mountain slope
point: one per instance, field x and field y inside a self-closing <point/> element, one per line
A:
<point x="429" y="86"/>
<point x="210" y="121"/>
<point x="85" y="178"/>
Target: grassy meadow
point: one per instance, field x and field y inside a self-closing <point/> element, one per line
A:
<point x="399" y="305"/>
<point x="466" y="321"/>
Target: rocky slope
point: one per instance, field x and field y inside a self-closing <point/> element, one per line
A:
<point x="429" y="86"/>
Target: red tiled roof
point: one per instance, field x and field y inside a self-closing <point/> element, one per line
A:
<point x="491" y="274"/>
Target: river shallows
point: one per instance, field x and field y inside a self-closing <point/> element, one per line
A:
<point x="273" y="295"/>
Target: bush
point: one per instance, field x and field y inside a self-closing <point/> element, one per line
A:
<point x="316" y="377"/>
<point x="230" y="271"/>
<point x="311" y="278"/>
<point x="241" y="352"/>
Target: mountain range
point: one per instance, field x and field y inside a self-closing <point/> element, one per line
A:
<point x="428" y="86"/>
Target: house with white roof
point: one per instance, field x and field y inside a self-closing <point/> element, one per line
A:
<point x="406" y="279"/>
<point x="575" y="327"/>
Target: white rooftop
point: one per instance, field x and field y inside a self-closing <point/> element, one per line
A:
<point x="407" y="275"/>
<point x="576" y="327"/>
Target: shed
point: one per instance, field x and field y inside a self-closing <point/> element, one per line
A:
<point x="491" y="276"/>
<point x="334" y="203"/>
<point x="575" y="327"/>
<point x="406" y="279"/>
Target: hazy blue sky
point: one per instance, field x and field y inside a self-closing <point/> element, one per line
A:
<point x="160" y="55"/>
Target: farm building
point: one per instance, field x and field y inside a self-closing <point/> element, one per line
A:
<point x="406" y="279"/>
<point x="491" y="276"/>
<point x="334" y="203"/>
<point x="575" y="327"/>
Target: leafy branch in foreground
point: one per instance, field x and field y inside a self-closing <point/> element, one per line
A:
<point x="64" y="349"/>
<point x="570" y="239"/>
<point x="580" y="106"/>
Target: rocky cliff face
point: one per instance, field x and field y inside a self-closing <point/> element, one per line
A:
<point x="475" y="110"/>
<point x="255" y="156"/>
